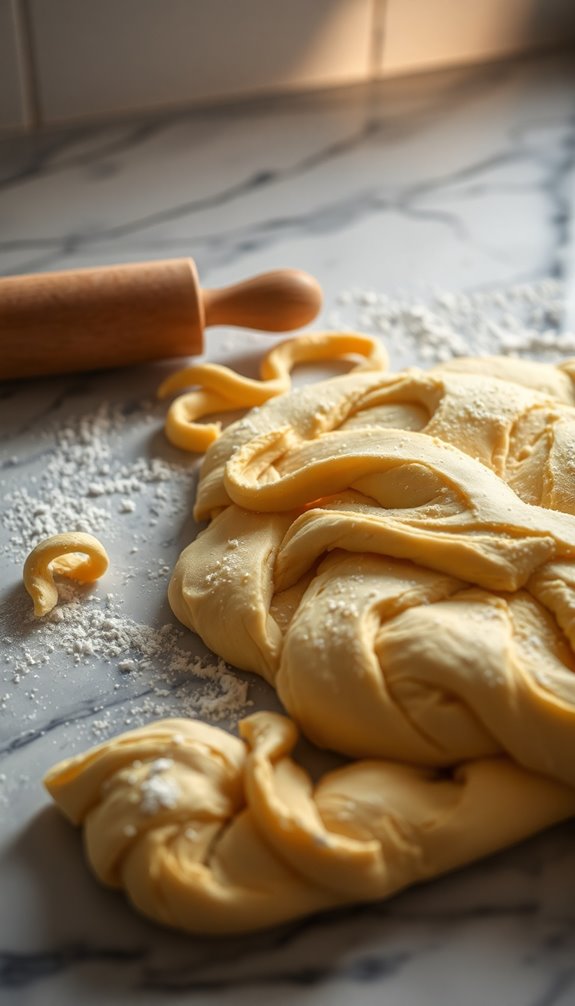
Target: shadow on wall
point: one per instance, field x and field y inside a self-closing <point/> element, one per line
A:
<point x="553" y="20"/>
<point x="125" y="55"/>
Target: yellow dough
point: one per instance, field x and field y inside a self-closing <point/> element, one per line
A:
<point x="75" y="554"/>
<point x="213" y="835"/>
<point x="395" y="554"/>
<point x="223" y="390"/>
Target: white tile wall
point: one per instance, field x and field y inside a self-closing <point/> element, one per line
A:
<point x="13" y="106"/>
<point x="101" y="56"/>
<point x="421" y="34"/>
<point x="76" y="59"/>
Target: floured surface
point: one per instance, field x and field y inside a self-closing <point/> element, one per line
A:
<point x="460" y="182"/>
<point x="104" y="663"/>
<point x="109" y="655"/>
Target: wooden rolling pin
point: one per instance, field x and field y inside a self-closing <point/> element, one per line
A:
<point x="89" y="319"/>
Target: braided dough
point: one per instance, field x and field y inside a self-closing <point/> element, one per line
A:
<point x="211" y="834"/>
<point x="395" y="554"/>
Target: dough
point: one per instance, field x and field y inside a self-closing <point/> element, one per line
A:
<point x="395" y="554"/>
<point x="223" y="390"/>
<point x="211" y="834"/>
<point x="75" y="554"/>
<point x="409" y="591"/>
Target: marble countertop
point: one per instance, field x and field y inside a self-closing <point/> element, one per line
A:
<point x="462" y="181"/>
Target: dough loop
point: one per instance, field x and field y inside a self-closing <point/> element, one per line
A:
<point x="223" y="390"/>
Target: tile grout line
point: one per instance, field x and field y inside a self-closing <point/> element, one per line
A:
<point x="27" y="63"/>
<point x="378" y="19"/>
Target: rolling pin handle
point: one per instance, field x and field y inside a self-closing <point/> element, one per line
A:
<point x="272" y="302"/>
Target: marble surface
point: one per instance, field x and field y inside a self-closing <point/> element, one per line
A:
<point x="460" y="180"/>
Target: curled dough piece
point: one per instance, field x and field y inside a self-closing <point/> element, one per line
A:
<point x="79" y="556"/>
<point x="223" y="390"/>
<point x="212" y="834"/>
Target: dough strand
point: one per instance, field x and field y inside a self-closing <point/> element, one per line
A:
<point x="224" y="390"/>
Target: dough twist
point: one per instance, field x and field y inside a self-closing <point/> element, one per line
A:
<point x="213" y="835"/>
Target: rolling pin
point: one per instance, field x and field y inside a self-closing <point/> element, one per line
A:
<point x="90" y="319"/>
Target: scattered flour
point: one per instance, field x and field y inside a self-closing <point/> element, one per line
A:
<point x="157" y="792"/>
<point x="523" y="320"/>
<point x="82" y="474"/>
<point x="88" y="663"/>
<point x="151" y="675"/>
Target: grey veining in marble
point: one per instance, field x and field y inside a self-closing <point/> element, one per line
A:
<point x="461" y="180"/>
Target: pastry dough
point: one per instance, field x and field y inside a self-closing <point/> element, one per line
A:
<point x="223" y="390"/>
<point x="75" y="554"/>
<point x="213" y="835"/>
<point x="395" y="554"/>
